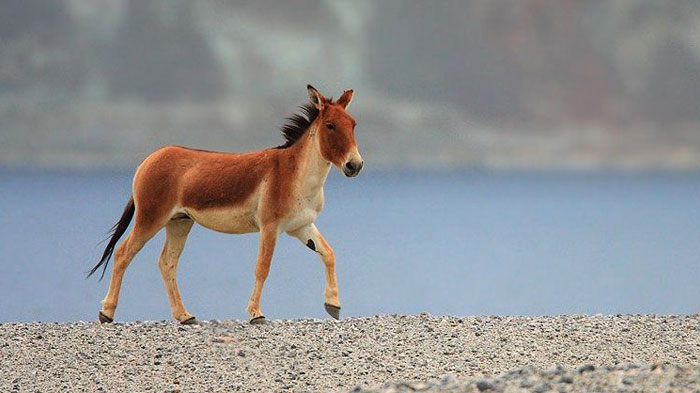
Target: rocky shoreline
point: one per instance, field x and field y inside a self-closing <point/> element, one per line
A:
<point x="394" y="353"/>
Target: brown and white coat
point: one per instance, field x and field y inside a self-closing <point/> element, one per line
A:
<point x="271" y="191"/>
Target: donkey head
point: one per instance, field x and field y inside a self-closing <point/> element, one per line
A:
<point x="336" y="132"/>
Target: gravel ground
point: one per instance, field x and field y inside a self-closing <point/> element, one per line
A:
<point x="587" y="378"/>
<point x="385" y="353"/>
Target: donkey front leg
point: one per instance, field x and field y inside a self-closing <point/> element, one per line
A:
<point x="268" y="240"/>
<point x="311" y="237"/>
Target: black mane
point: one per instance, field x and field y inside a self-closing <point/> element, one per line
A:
<point x="297" y="124"/>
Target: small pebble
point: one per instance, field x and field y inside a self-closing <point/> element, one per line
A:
<point x="484" y="385"/>
<point x="585" y="368"/>
<point x="566" y="379"/>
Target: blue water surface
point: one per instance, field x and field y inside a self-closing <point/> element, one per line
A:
<point x="460" y="243"/>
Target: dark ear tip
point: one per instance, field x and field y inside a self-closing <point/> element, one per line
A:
<point x="309" y="87"/>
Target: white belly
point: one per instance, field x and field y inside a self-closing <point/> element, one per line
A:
<point x="241" y="219"/>
<point x="244" y="218"/>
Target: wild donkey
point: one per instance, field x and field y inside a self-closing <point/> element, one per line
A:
<point x="270" y="191"/>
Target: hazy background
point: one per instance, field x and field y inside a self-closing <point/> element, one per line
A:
<point x="496" y="84"/>
<point x="521" y="156"/>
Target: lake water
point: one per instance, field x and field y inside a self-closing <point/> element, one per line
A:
<point x="461" y="243"/>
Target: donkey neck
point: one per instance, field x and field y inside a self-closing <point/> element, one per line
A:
<point x="312" y="168"/>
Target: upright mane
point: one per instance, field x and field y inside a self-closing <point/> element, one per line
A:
<point x="298" y="124"/>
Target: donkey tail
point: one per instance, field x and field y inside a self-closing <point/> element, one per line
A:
<point x="116" y="232"/>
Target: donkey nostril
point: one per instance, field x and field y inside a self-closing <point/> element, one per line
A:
<point x="350" y="166"/>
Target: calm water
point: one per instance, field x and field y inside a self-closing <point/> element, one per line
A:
<point x="446" y="243"/>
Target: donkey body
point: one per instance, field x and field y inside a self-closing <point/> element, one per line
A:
<point x="270" y="191"/>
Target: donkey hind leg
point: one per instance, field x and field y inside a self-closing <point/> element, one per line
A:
<point x="268" y="240"/>
<point x="123" y="255"/>
<point x="176" y="232"/>
<point x="312" y="238"/>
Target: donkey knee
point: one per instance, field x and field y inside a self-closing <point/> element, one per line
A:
<point x="166" y="268"/>
<point x="124" y="253"/>
<point x="328" y="256"/>
<point x="262" y="270"/>
<point x="120" y="252"/>
<point x="121" y="263"/>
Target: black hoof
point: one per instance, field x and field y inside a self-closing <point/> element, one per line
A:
<point x="332" y="310"/>
<point x="104" y="319"/>
<point x="258" y="320"/>
<point x="189" y="321"/>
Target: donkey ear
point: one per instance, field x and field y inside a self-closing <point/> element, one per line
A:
<point x="316" y="98"/>
<point x="346" y="98"/>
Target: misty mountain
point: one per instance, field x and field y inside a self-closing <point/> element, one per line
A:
<point x="503" y="83"/>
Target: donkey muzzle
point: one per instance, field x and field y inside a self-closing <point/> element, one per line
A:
<point x="352" y="169"/>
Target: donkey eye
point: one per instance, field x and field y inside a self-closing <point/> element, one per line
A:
<point x="330" y="126"/>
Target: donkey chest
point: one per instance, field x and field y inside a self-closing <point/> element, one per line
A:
<point x="305" y="209"/>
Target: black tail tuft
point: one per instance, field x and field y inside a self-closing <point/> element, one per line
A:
<point x="116" y="232"/>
